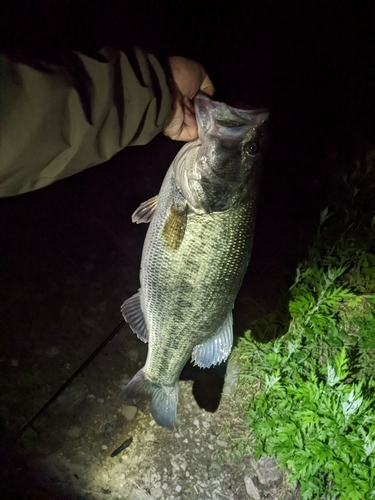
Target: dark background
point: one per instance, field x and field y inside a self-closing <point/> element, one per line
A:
<point x="310" y="62"/>
<point x="69" y="248"/>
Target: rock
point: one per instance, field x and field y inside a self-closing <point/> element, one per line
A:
<point x="30" y="433"/>
<point x="267" y="470"/>
<point x="156" y="492"/>
<point x="231" y="377"/>
<point x="129" y="412"/>
<point x="52" y="352"/>
<point x="223" y="444"/>
<point x="251" y="489"/>
<point x="133" y="354"/>
<point x="74" y="432"/>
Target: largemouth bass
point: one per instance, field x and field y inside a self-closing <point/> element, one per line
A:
<point x="195" y="253"/>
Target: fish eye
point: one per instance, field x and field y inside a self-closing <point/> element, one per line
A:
<point x="252" y="148"/>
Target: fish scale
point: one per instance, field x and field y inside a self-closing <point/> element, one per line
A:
<point x="195" y="254"/>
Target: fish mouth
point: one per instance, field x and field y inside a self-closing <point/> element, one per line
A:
<point x="220" y="118"/>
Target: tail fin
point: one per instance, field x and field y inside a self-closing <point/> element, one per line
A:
<point x="164" y="399"/>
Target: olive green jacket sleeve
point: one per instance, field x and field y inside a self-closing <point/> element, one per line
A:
<point x="47" y="133"/>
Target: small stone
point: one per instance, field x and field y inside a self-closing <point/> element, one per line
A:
<point x="30" y="433"/>
<point x="185" y="441"/>
<point x="74" y="432"/>
<point x="210" y="447"/>
<point x="156" y="492"/>
<point x="133" y="354"/>
<point x="91" y="396"/>
<point x="177" y="435"/>
<point x="14" y="362"/>
<point x="52" y="352"/>
<point x="223" y="444"/>
<point x="231" y="377"/>
<point x="251" y="489"/>
<point x="215" y="465"/>
<point x="267" y="470"/>
<point x="178" y="488"/>
<point x="100" y="400"/>
<point x="104" y="447"/>
<point x="129" y="412"/>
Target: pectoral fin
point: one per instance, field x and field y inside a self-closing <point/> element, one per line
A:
<point x="217" y="349"/>
<point x="132" y="312"/>
<point x="145" y="211"/>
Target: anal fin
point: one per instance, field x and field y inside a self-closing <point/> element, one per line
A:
<point x="132" y="312"/>
<point x="217" y="348"/>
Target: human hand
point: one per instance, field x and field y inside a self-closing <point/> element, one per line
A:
<point x="189" y="77"/>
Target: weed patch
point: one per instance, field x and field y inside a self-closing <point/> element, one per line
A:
<point x="311" y="391"/>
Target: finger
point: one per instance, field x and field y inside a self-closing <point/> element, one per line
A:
<point x="188" y="104"/>
<point x="190" y="128"/>
<point x="183" y="126"/>
<point x="207" y="86"/>
<point x="174" y="127"/>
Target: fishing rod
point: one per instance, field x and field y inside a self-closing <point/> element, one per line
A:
<point x="69" y="380"/>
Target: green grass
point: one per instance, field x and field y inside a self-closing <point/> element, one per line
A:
<point x="311" y="391"/>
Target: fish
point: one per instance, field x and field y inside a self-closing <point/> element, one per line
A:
<point x="195" y="253"/>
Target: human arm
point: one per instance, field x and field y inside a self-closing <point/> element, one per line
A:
<point x="59" y="122"/>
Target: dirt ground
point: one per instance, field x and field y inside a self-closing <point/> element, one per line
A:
<point x="69" y="257"/>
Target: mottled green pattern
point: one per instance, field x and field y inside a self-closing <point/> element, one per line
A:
<point x="188" y="292"/>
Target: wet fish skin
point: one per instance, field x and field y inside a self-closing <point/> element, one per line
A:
<point x="195" y="253"/>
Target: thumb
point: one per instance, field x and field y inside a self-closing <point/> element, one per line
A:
<point x="207" y="86"/>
